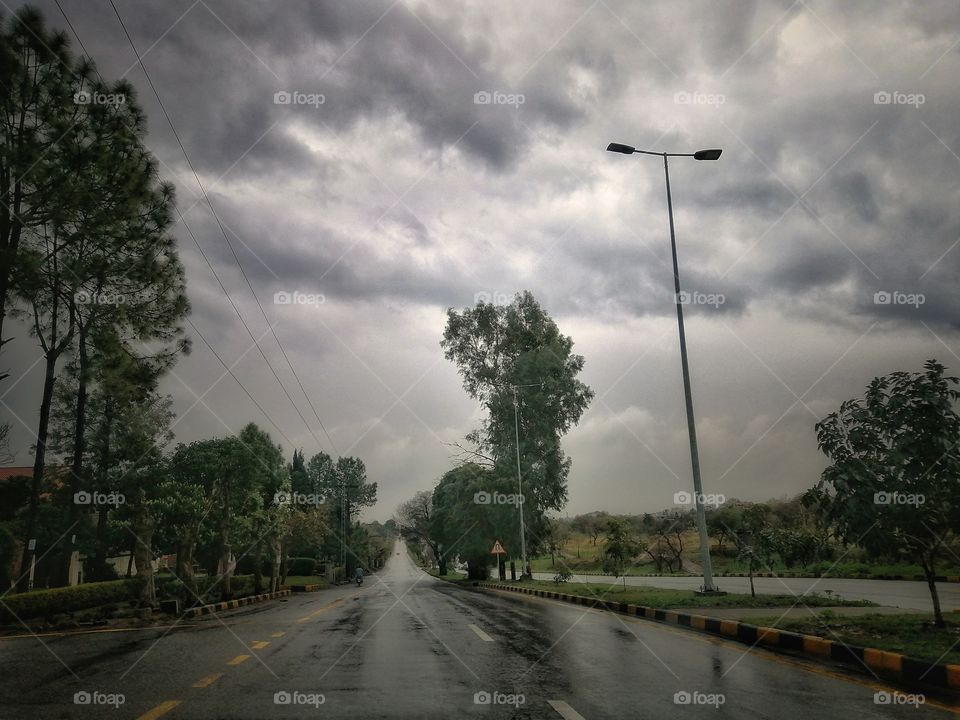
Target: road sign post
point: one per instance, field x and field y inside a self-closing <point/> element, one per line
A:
<point x="501" y="553"/>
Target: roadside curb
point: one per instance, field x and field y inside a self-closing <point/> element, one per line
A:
<point x="793" y="575"/>
<point x="302" y="588"/>
<point x="895" y="665"/>
<point x="231" y="604"/>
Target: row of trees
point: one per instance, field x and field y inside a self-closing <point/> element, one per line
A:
<point x="87" y="262"/>
<point x="522" y="370"/>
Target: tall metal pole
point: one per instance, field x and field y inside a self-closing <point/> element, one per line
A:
<point x="688" y="398"/>
<point x="523" y="532"/>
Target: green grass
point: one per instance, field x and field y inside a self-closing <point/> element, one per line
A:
<point x="913" y="635"/>
<point x="668" y="599"/>
<point x="306" y="580"/>
<point x="449" y="575"/>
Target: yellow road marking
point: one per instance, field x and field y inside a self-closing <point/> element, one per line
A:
<point x="259" y="644"/>
<point x="321" y="610"/>
<point x="208" y="680"/>
<point x="278" y="634"/>
<point x="762" y="654"/>
<point x="238" y="659"/>
<point x="161" y="709"/>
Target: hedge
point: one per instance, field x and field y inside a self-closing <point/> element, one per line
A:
<point x="44" y="603"/>
<point x="301" y="566"/>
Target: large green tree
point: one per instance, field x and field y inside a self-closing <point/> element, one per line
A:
<point x="893" y="485"/>
<point x="516" y="362"/>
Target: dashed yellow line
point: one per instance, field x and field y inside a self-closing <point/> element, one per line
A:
<point x="238" y="659"/>
<point x="259" y="644"/>
<point x="320" y="610"/>
<point x="278" y="634"/>
<point x="208" y="680"/>
<point x="161" y="709"/>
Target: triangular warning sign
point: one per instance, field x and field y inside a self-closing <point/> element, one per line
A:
<point x="498" y="549"/>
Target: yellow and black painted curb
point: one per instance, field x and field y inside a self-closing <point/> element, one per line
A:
<point x="231" y="604"/>
<point x="882" y="662"/>
<point x="302" y="588"/>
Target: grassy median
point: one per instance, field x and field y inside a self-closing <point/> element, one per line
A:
<point x="914" y="635"/>
<point x="667" y="599"/>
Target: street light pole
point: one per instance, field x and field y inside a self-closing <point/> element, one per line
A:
<point x="523" y="531"/>
<point x="708" y="586"/>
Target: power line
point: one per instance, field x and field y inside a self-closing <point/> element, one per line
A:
<point x="212" y="270"/>
<point x="233" y="252"/>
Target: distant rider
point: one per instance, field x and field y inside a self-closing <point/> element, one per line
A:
<point x="358" y="575"/>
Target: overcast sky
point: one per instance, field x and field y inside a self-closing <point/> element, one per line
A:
<point x="402" y="193"/>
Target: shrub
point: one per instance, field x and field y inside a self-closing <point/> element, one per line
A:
<point x="44" y="603"/>
<point x="301" y="566"/>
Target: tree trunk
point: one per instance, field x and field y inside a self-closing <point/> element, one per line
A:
<point x="258" y="565"/>
<point x="284" y="549"/>
<point x="76" y="466"/>
<point x="274" y="563"/>
<point x="39" y="461"/>
<point x="441" y="560"/>
<point x="143" y="555"/>
<point x="753" y="593"/>
<point x="100" y="556"/>
<point x="224" y="565"/>
<point x="188" y="583"/>
<point x="931" y="575"/>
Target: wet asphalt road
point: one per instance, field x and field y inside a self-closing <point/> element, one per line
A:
<point x="406" y="645"/>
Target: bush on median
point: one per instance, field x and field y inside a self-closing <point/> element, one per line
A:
<point x="44" y="603"/>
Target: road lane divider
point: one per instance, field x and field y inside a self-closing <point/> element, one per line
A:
<point x="232" y="604"/>
<point x="259" y="644"/>
<point x="160" y="710"/>
<point x="208" y="680"/>
<point x="882" y="662"/>
<point x="322" y="610"/>
<point x="564" y="710"/>
<point x="238" y="659"/>
<point x="480" y="633"/>
<point x="278" y="634"/>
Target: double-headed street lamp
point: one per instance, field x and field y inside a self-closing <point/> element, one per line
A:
<point x="708" y="586"/>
